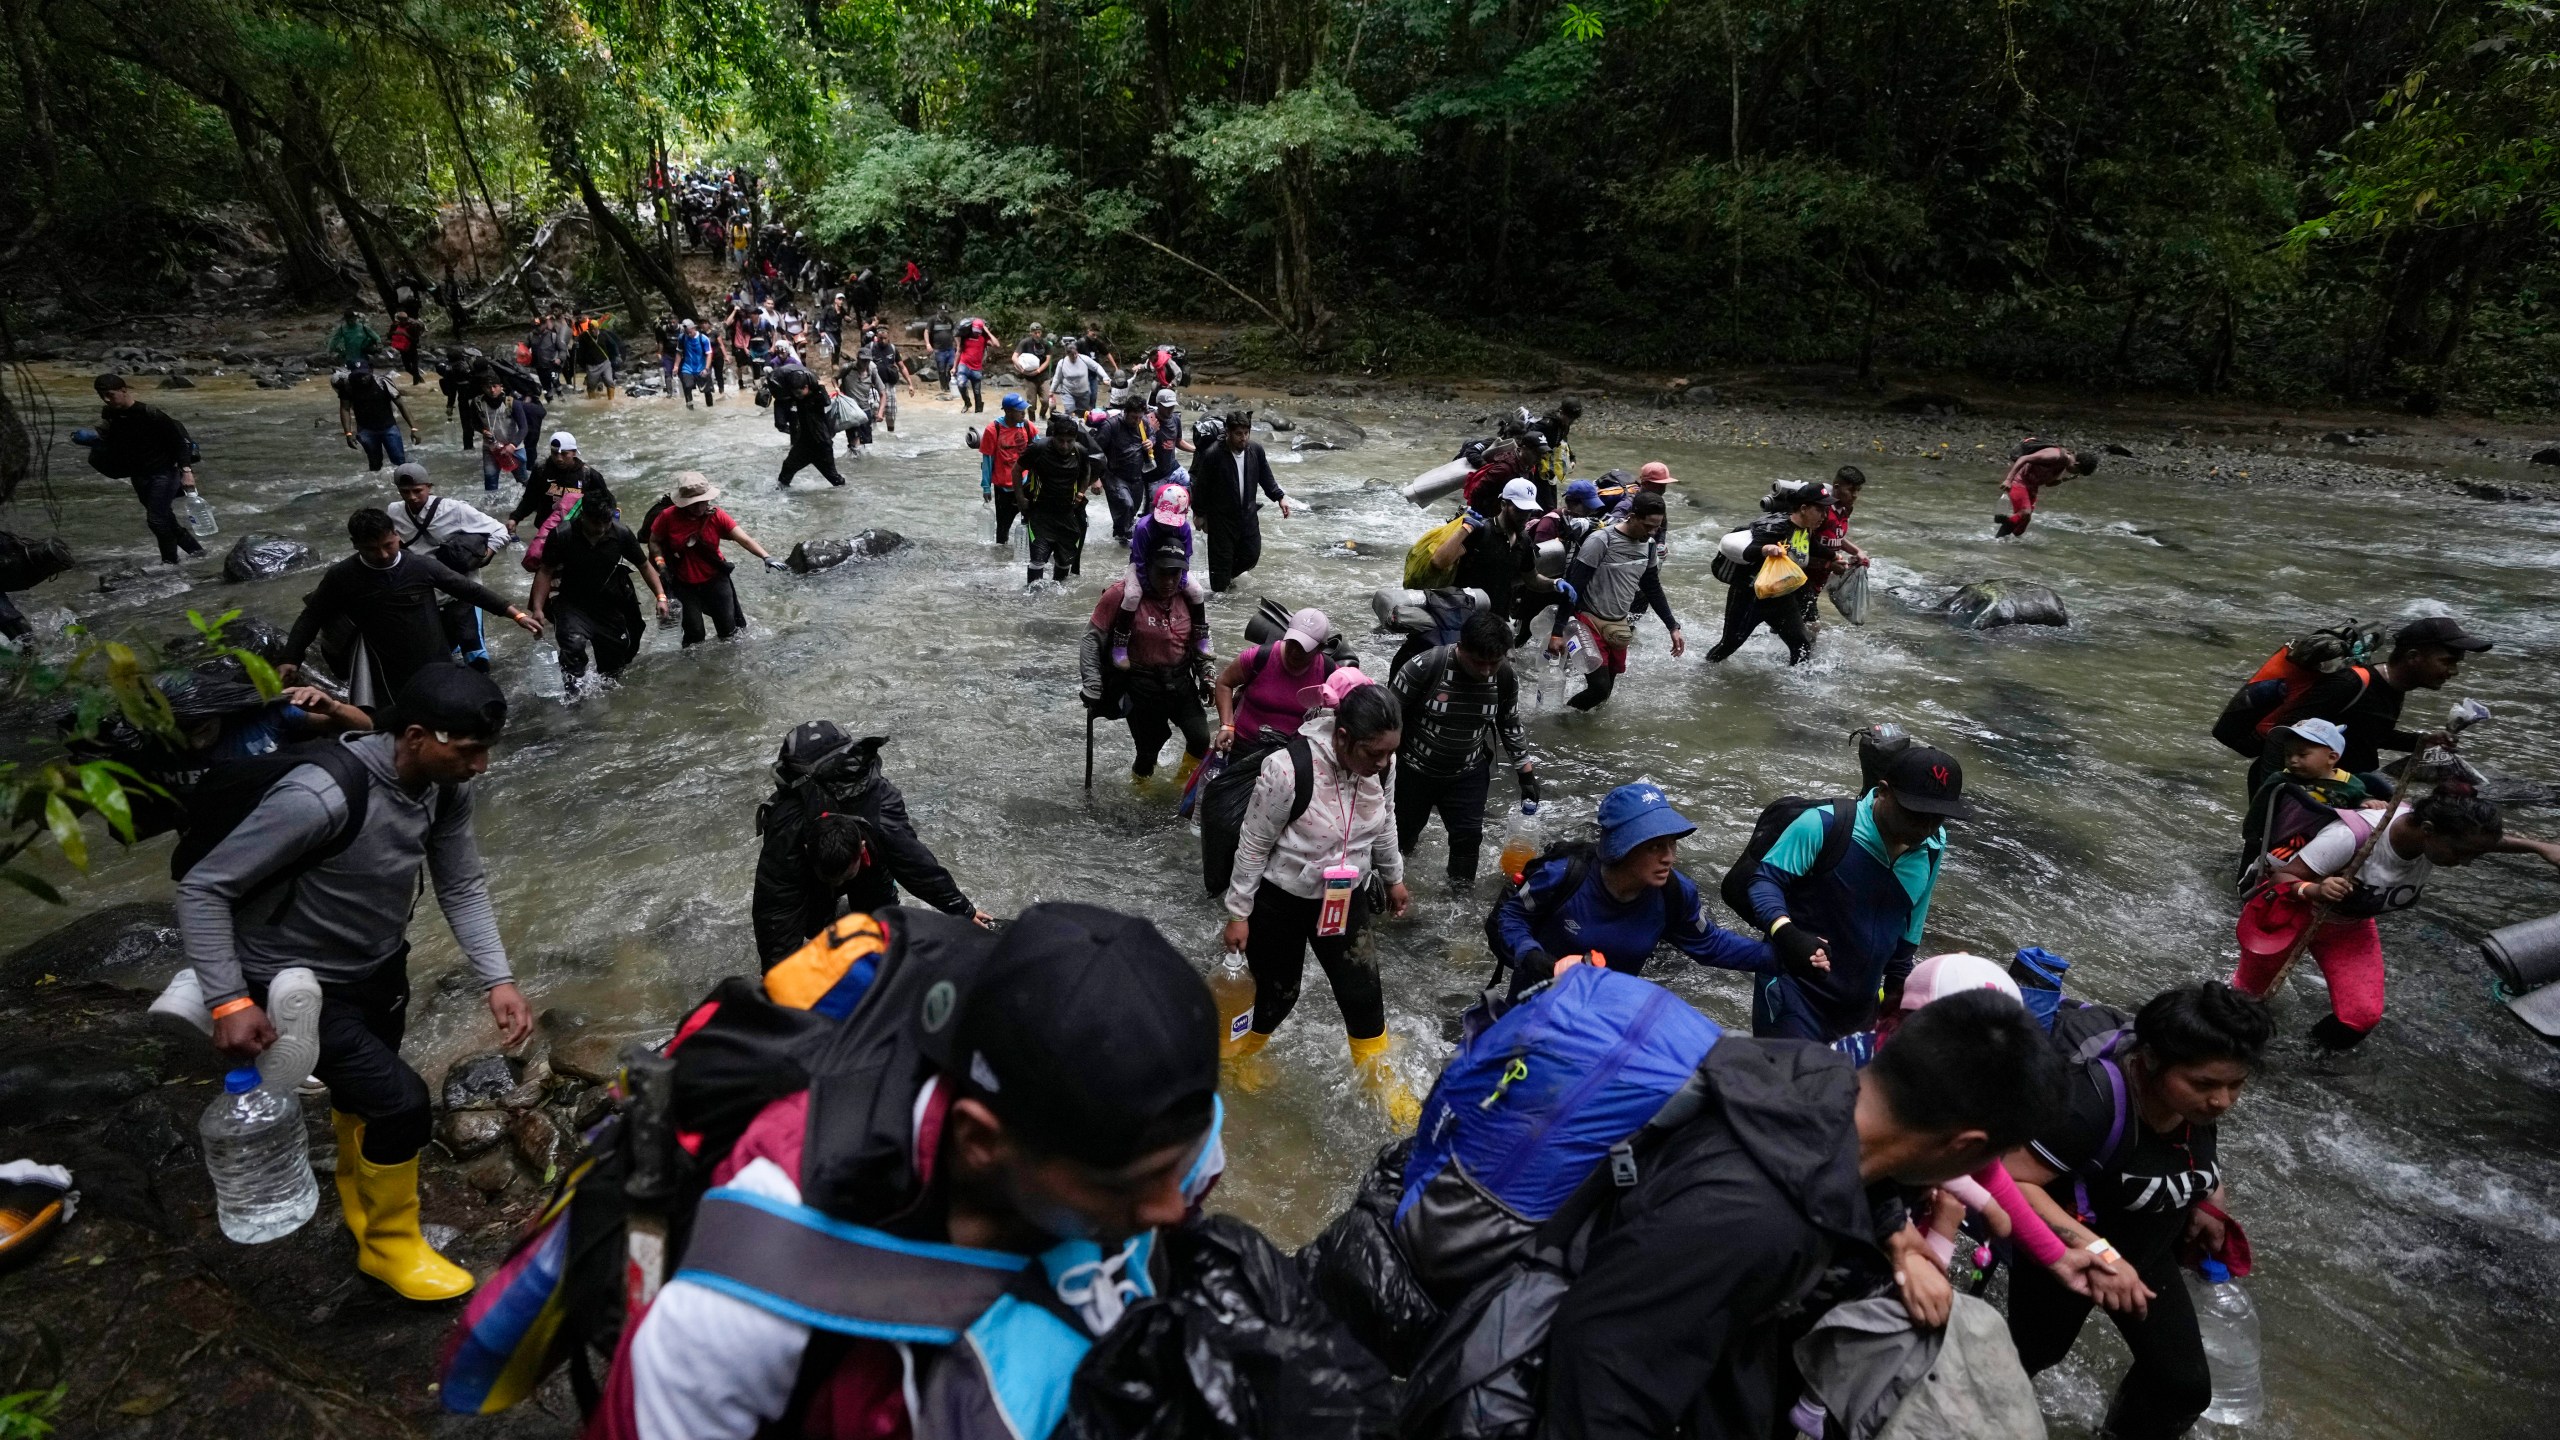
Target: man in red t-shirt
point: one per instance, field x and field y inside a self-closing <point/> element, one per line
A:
<point x="1002" y="444"/>
<point x="975" y="336"/>
<point x="687" y="537"/>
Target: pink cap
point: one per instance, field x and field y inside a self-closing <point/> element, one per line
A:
<point x="1173" y="506"/>
<point x="1654" y="472"/>
<point x="1328" y="695"/>
<point x="1940" y="976"/>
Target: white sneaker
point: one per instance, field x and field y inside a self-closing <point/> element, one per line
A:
<point x="293" y="1007"/>
<point x="182" y="1002"/>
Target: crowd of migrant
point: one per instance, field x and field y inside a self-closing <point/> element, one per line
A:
<point x="930" y="1172"/>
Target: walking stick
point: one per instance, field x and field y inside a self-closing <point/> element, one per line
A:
<point x="2466" y="713"/>
<point x="1088" y="747"/>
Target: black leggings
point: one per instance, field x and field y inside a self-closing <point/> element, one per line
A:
<point x="158" y="492"/>
<point x="1162" y="702"/>
<point x="2169" y="1384"/>
<point x="715" y="599"/>
<point x="1284" y="929"/>
<point x="1005" y="512"/>
<point x="1460" y="799"/>
<point x="1745" y="612"/>
<point x="361" y="1024"/>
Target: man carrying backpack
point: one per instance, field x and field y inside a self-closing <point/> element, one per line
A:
<point x="322" y="871"/>
<point x="461" y="536"/>
<point x="1615" y="904"/>
<point x="1618" y="568"/>
<point x="2365" y="702"/>
<point x="1857" y="897"/>
<point x="1783" y="1195"/>
<point x="1456" y="699"/>
<point x="371" y="414"/>
<point x="823" y="774"/>
<point x="932" y="1244"/>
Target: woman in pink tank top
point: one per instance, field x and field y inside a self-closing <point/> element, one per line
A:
<point x="1260" y="688"/>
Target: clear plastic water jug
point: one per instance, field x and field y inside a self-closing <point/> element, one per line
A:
<point x="545" y="674"/>
<point x="1231" y="986"/>
<point x="2229" y="1325"/>
<point x="200" y="515"/>
<point x="259" y="1156"/>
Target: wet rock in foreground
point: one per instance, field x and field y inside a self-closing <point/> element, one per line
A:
<point x="1995" y="604"/>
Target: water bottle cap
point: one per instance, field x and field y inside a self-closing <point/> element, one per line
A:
<point x="2215" y="1272"/>
<point x="240" y="1081"/>
<point x="1528" y="807"/>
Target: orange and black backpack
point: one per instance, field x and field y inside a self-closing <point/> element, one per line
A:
<point x="2274" y="695"/>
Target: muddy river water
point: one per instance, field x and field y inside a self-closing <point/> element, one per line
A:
<point x="2403" y="1206"/>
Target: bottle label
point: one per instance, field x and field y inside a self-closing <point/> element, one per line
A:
<point x="1239" y="1026"/>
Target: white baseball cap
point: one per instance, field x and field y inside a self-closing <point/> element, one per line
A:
<point x="1521" y="495"/>
<point x="563" y="440"/>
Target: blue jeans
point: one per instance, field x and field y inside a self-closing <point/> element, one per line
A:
<point x="382" y="442"/>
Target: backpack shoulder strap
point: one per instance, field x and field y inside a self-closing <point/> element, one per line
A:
<point x="355" y="784"/>
<point x="1837" y="834"/>
<point x="1302" y="758"/>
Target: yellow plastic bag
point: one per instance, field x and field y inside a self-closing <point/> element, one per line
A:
<point x="1779" y="575"/>
<point x="1420" y="573"/>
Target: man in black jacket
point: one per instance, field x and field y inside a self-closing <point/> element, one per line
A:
<point x="2365" y="701"/>
<point x="1058" y="470"/>
<point x="814" y="866"/>
<point x="800" y="411"/>
<point x="1228" y="482"/>
<point x="148" y="447"/>
<point x="1783" y="1196"/>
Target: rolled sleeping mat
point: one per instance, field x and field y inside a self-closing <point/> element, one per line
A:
<point x="2526" y="955"/>
<point x="1438" y="481"/>
<point x="1401" y="610"/>
<point x="1551" y="559"/>
<point x="1268" y="624"/>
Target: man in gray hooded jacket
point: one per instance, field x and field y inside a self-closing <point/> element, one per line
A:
<point x="257" y="903"/>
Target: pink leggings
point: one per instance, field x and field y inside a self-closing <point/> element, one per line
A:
<point x="2350" y="955"/>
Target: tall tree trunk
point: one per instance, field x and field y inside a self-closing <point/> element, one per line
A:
<point x="615" y="233"/>
<point x="308" y="270"/>
<point x="1159" y="16"/>
<point x="43" y="152"/>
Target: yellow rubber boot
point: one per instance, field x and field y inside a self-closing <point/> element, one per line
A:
<point x="1182" y="773"/>
<point x="391" y="1250"/>
<point x="1369" y="1059"/>
<point x="1244" y="1068"/>
<point x="350" y="1130"/>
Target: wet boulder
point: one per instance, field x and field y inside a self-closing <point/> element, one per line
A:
<point x="1326" y="432"/>
<point x="2548" y="455"/>
<point x="471" y="1132"/>
<point x="135" y="946"/>
<point x="477" y="1083"/>
<point x="263" y="557"/>
<point x="26" y="564"/>
<point x="811" y="556"/>
<point x="1993" y="604"/>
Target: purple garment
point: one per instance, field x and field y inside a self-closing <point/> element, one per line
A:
<point x="1270" y="697"/>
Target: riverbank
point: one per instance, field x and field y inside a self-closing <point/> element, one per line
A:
<point x="152" y="1323"/>
<point x="1824" y="418"/>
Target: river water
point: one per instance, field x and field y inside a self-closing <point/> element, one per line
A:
<point x="2402" y="1206"/>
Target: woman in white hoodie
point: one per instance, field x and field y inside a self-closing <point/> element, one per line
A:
<point x="1306" y="881"/>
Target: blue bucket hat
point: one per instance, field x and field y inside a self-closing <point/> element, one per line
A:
<point x="1634" y="814"/>
<point x="1012" y="402"/>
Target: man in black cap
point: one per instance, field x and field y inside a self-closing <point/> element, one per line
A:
<point x="986" y="1194"/>
<point x="321" y="872"/>
<point x="1861" y="902"/>
<point x="148" y="447"/>
<point x="837" y="840"/>
<point x="2365" y="702"/>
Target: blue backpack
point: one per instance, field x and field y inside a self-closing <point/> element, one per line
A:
<point x="1530" y="1109"/>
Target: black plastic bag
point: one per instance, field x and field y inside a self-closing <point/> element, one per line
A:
<point x="1361" y="1272"/>
<point x="1237" y="1347"/>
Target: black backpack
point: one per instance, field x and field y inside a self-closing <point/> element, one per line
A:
<point x="1224" y="798"/>
<point x="231" y="790"/>
<point x="1735" y="888"/>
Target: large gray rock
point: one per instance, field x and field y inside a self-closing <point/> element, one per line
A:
<point x="135" y="946"/>
<point x="478" y="1082"/>
<point x="1992" y="604"/>
<point x="263" y="557"/>
<point x="811" y="556"/>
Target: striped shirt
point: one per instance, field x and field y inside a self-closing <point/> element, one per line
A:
<point x="1451" y="715"/>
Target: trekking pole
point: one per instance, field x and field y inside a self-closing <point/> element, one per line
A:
<point x="2466" y="713"/>
<point x="648" y="1130"/>
<point x="1088" y="747"/>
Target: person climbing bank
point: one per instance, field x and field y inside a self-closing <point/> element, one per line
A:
<point x="253" y="906"/>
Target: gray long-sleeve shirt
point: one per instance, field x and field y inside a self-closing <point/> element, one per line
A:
<point x="350" y="913"/>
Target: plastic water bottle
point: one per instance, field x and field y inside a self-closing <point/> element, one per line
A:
<point x="260" y="1159"/>
<point x="1231" y="986"/>
<point x="2229" y="1324"/>
<point x="1520" y="843"/>
<point x="546" y="678"/>
<point x="200" y="515"/>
